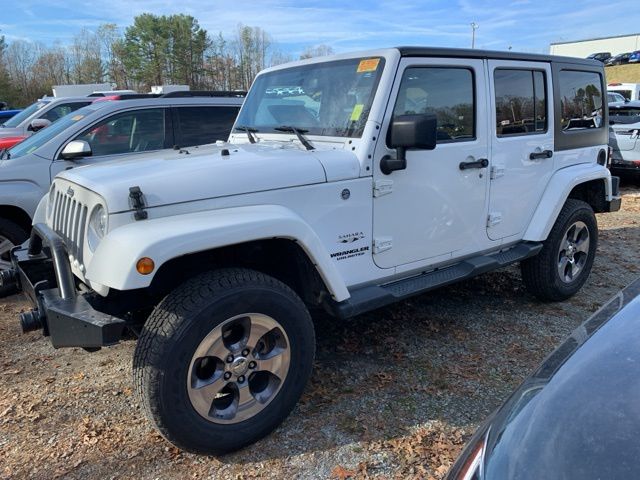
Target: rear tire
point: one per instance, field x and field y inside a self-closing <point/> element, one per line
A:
<point x="563" y="265"/>
<point x="11" y="235"/>
<point x="223" y="360"/>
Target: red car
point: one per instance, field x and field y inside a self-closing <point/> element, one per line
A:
<point x="9" y="142"/>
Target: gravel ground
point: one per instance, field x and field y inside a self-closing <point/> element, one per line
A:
<point x="394" y="394"/>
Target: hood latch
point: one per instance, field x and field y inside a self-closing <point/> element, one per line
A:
<point x="137" y="203"/>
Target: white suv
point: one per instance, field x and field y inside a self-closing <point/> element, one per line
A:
<point x="350" y="182"/>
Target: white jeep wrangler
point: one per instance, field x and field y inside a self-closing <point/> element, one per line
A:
<point x="349" y="182"/>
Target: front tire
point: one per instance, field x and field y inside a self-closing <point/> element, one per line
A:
<point x="564" y="263"/>
<point x="223" y="360"/>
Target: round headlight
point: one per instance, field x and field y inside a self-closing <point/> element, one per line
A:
<point x="97" y="226"/>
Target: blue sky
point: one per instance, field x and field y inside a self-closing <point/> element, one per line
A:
<point x="525" y="25"/>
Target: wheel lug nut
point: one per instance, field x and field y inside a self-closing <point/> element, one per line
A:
<point x="245" y="352"/>
<point x="227" y="375"/>
<point x="230" y="359"/>
<point x="252" y="365"/>
<point x="241" y="379"/>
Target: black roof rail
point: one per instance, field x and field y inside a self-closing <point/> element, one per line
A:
<point x="133" y="96"/>
<point x="204" y="93"/>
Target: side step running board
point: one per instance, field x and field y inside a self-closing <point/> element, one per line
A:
<point x="369" y="298"/>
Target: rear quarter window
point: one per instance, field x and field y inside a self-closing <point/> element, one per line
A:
<point x="581" y="100"/>
<point x="581" y="115"/>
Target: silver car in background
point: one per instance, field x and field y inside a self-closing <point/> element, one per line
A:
<point x="41" y="114"/>
<point x="624" y="139"/>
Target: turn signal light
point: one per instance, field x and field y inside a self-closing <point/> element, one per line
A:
<point x="145" y="266"/>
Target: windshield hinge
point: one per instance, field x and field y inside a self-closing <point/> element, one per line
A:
<point x="137" y="203"/>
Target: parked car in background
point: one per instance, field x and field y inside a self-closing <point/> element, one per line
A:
<point x="98" y="132"/>
<point x="615" y="97"/>
<point x="619" y="59"/>
<point x="576" y="417"/>
<point x="39" y="115"/>
<point x="601" y="56"/>
<point x="634" y="57"/>
<point x="6" y="112"/>
<point x="630" y="91"/>
<point x="624" y="138"/>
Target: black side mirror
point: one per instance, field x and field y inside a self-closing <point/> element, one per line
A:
<point x="407" y="132"/>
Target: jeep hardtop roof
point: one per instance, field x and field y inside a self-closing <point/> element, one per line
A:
<point x="492" y="54"/>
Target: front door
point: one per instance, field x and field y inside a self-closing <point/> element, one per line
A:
<point x="435" y="210"/>
<point x="521" y="144"/>
<point x="128" y="133"/>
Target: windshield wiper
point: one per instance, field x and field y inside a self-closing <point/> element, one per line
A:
<point x="3" y="152"/>
<point x="250" y="131"/>
<point x="299" y="133"/>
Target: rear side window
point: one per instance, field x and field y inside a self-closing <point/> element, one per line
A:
<point x="580" y="100"/>
<point x="202" y="125"/>
<point x="447" y="92"/>
<point x="59" y="111"/>
<point x="521" y="102"/>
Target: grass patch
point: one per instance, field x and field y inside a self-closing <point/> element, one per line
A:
<point x="629" y="73"/>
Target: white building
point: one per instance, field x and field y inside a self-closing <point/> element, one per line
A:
<point x="584" y="48"/>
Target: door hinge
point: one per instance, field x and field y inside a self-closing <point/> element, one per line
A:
<point x="494" y="219"/>
<point x="380" y="244"/>
<point x="497" y="171"/>
<point x="382" y="187"/>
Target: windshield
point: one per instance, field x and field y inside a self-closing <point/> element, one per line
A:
<point x="24" y="114"/>
<point x="331" y="99"/>
<point x="38" y="139"/>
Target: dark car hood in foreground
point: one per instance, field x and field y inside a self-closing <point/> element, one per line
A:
<point x="578" y="415"/>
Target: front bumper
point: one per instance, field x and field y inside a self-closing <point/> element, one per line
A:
<point x="41" y="270"/>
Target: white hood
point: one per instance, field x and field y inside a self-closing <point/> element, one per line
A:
<point x="170" y="177"/>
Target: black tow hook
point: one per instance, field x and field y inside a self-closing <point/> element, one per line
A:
<point x="31" y="321"/>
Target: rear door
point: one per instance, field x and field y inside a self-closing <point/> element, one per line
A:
<point x="521" y="143"/>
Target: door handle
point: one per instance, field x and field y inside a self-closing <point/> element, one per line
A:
<point x="542" y="154"/>
<point x="480" y="163"/>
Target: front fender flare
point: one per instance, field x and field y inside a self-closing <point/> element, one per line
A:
<point x="557" y="192"/>
<point x="114" y="262"/>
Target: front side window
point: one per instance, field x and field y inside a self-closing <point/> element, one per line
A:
<point x="129" y="132"/>
<point x="580" y="100"/>
<point x="202" y="125"/>
<point x="521" y="102"/>
<point x="59" y="111"/>
<point x="447" y="93"/>
<point x="331" y="98"/>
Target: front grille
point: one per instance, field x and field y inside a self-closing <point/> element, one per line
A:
<point x="69" y="219"/>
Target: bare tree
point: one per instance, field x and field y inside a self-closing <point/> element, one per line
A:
<point x="321" y="50"/>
